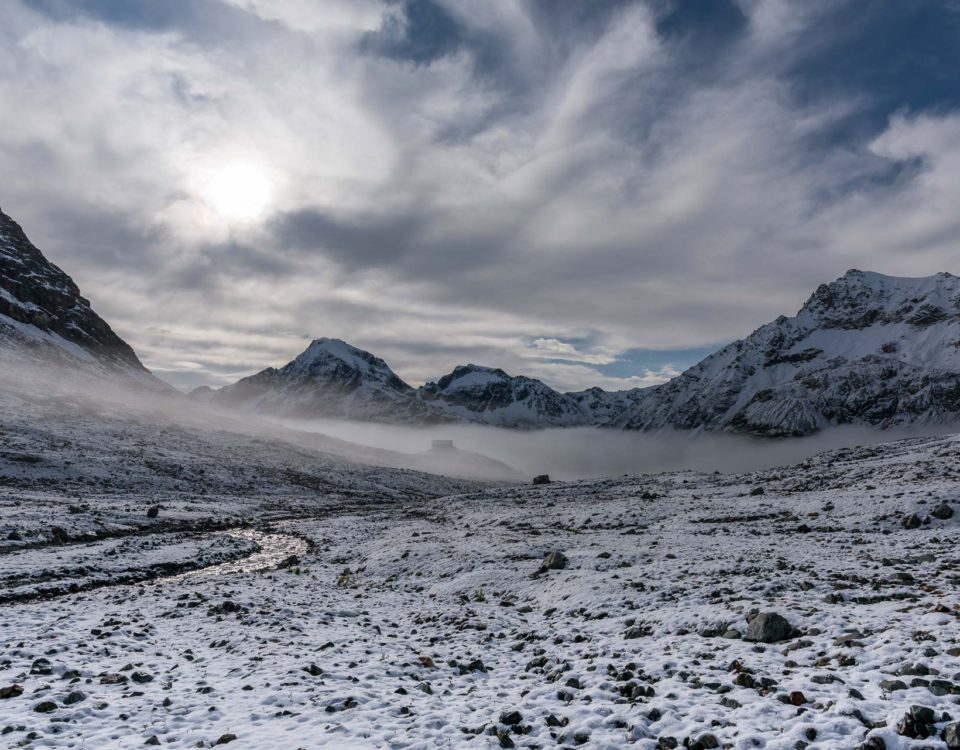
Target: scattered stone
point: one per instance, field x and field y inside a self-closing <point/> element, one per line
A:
<point x="951" y="736"/>
<point x="917" y="723"/>
<point x="225" y="738"/>
<point x="942" y="512"/>
<point x="45" y="707"/>
<point x="911" y="521"/>
<point x="511" y="718"/>
<point x="60" y="535"/>
<point x="77" y="696"/>
<point x="542" y="479"/>
<point x="892" y="686"/>
<point x="152" y="740"/>
<point x="153" y="512"/>
<point x="11" y="691"/>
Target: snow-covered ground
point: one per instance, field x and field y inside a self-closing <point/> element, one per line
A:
<point x="402" y="610"/>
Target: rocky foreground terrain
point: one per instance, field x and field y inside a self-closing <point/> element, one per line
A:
<point x="186" y="588"/>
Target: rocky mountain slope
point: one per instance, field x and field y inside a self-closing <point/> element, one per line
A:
<point x="488" y="395"/>
<point x="329" y="378"/>
<point x="866" y="349"/>
<point x="334" y="379"/>
<point x="42" y="313"/>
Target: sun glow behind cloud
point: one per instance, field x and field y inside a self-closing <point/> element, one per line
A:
<point x="590" y="193"/>
<point x="238" y="191"/>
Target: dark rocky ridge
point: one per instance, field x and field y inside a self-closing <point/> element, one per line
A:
<point x="36" y="293"/>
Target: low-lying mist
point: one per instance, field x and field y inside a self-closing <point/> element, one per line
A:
<point x="33" y="395"/>
<point x="580" y="452"/>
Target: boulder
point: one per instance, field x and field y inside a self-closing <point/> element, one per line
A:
<point x="951" y="735"/>
<point x="943" y="512"/>
<point x="768" y="627"/>
<point x="555" y="560"/>
<point x="911" y="521"/>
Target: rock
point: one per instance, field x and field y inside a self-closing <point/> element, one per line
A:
<point x="11" y="691"/>
<point x="511" y="718"/>
<point x="228" y="607"/>
<point x="313" y="670"/>
<point x="891" y="686"/>
<point x="768" y="627"/>
<point x="152" y="740"/>
<point x="225" y="738"/>
<point x="153" y="511"/>
<point x="555" y="560"/>
<point x="45" y="707"/>
<point x="77" y="696"/>
<point x="797" y="698"/>
<point x="943" y="512"/>
<point x="917" y="723"/>
<point x="542" y="479"/>
<point x="873" y="743"/>
<point x="756" y="491"/>
<point x="141" y="678"/>
<point x="912" y="521"/>
<point x="951" y="736"/>
<point x="60" y="536"/>
<point x="113" y="679"/>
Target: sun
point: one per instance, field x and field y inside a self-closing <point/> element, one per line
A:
<point x="238" y="191"/>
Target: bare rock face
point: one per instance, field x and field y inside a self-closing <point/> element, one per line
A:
<point x="47" y="304"/>
<point x="44" y="318"/>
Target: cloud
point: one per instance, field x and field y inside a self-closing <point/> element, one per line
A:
<point x="544" y="187"/>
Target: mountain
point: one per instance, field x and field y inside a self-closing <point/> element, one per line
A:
<point x="43" y="315"/>
<point x="487" y="395"/>
<point x="866" y="349"/>
<point x="601" y="407"/>
<point x="329" y="379"/>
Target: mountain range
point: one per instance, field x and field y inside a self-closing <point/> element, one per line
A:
<point x="866" y="349"/>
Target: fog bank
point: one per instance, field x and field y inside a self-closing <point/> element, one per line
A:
<point x="579" y="452"/>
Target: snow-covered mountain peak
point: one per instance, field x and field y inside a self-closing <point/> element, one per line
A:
<point x="859" y="299"/>
<point x="328" y="358"/>
<point x="864" y="349"/>
<point x="472" y="376"/>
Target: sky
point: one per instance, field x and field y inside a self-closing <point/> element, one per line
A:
<point x="591" y="192"/>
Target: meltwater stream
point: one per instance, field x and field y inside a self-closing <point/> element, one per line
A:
<point x="274" y="549"/>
